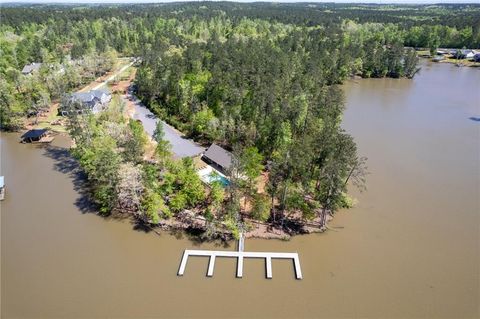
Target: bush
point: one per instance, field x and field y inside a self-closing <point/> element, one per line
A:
<point x="178" y="202"/>
<point x="347" y="202"/>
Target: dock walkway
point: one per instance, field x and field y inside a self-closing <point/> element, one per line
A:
<point x="241" y="243"/>
<point x="240" y="255"/>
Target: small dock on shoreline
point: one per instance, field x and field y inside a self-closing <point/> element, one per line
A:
<point x="240" y="255"/>
<point x="2" y="188"/>
<point x="37" y="136"/>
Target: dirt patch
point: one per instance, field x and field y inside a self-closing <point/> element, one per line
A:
<point x="47" y="119"/>
<point x="123" y="84"/>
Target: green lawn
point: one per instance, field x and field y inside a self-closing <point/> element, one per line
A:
<point x="52" y="117"/>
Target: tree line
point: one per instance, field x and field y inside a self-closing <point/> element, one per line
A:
<point x="71" y="40"/>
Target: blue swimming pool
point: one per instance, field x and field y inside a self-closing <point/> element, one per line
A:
<point x="210" y="178"/>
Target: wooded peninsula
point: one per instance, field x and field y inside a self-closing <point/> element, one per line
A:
<point x="256" y="85"/>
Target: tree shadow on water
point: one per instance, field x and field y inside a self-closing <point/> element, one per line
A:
<point x="194" y="235"/>
<point x="66" y="164"/>
<point x="141" y="226"/>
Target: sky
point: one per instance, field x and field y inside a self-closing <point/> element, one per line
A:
<point x="338" y="1"/>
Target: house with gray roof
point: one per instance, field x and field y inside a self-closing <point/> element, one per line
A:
<point x="218" y="157"/>
<point x="30" y="68"/>
<point x="93" y="101"/>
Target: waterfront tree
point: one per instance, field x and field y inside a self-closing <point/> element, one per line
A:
<point x="134" y="146"/>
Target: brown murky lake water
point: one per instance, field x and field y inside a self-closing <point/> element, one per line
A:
<point x="411" y="249"/>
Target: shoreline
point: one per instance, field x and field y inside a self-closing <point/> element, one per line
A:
<point x="264" y="231"/>
<point x="448" y="60"/>
<point x="190" y="222"/>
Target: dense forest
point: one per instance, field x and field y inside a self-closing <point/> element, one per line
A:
<point x="260" y="79"/>
<point x="365" y="39"/>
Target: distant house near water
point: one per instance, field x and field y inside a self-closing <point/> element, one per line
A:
<point x="93" y="101"/>
<point x="30" y="68"/>
<point x="464" y="54"/>
<point x="218" y="157"/>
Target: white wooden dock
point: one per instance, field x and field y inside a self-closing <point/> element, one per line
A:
<point x="241" y="243"/>
<point x="240" y="255"/>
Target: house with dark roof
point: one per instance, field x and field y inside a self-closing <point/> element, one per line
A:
<point x="218" y="157"/>
<point x="93" y="101"/>
<point x="30" y="68"/>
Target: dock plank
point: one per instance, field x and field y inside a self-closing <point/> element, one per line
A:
<point x="211" y="266"/>
<point x="183" y="263"/>
<point x="298" y="269"/>
<point x="240" y="267"/>
<point x="268" y="265"/>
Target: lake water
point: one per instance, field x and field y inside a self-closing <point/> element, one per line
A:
<point x="411" y="248"/>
